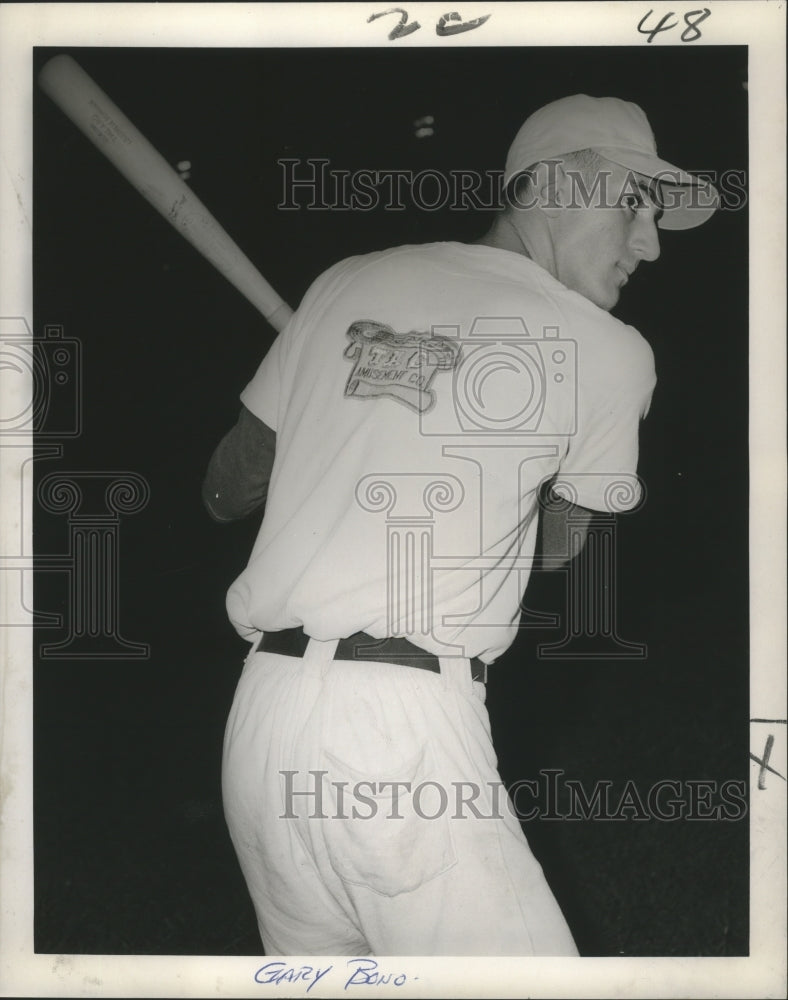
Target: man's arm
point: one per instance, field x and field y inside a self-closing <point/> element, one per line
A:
<point x="555" y="516"/>
<point x="236" y="483"/>
<point x="555" y="534"/>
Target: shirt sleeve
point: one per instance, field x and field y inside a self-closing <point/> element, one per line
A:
<point x="599" y="469"/>
<point x="262" y="395"/>
<point x="266" y="395"/>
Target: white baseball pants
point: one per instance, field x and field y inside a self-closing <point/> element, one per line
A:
<point x="368" y="816"/>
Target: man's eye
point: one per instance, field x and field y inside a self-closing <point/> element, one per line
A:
<point x="632" y="202"/>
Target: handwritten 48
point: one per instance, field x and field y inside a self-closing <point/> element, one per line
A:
<point x="690" y="34"/>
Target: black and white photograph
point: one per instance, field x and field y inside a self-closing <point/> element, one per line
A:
<point x="392" y="502"/>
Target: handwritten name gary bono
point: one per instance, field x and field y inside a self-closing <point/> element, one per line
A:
<point x="361" y="972"/>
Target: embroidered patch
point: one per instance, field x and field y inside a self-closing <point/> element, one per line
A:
<point x="401" y="366"/>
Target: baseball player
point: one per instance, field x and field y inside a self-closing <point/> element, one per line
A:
<point x="399" y="431"/>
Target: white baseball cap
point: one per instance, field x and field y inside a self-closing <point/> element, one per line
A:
<point x="619" y="131"/>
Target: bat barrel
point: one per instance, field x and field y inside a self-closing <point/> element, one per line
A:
<point x="102" y="121"/>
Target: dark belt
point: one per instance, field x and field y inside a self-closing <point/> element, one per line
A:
<point x="361" y="646"/>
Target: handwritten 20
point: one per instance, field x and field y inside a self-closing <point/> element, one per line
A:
<point x="450" y="24"/>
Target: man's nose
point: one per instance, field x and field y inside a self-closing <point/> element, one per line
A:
<point x="644" y="237"/>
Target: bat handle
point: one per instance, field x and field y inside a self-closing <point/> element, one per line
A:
<point x="279" y="317"/>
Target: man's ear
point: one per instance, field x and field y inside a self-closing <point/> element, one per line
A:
<point x="550" y="186"/>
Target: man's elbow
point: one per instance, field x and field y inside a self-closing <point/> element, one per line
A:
<point x="239" y="472"/>
<point x="217" y="511"/>
<point x="224" y="508"/>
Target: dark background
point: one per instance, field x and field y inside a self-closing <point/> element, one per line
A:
<point x="131" y="852"/>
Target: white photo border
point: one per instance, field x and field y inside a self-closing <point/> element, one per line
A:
<point x="761" y="26"/>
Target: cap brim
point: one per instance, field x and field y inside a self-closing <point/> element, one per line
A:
<point x="687" y="200"/>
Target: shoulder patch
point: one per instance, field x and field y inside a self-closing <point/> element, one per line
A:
<point x="401" y="366"/>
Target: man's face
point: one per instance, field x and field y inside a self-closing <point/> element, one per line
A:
<point x="601" y="239"/>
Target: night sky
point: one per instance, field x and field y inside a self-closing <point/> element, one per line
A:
<point x="131" y="851"/>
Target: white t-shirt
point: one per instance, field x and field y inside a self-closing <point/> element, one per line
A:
<point x="420" y="396"/>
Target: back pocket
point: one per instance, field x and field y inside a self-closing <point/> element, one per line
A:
<point x="389" y="833"/>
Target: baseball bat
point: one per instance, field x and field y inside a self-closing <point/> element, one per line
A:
<point x="86" y="104"/>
